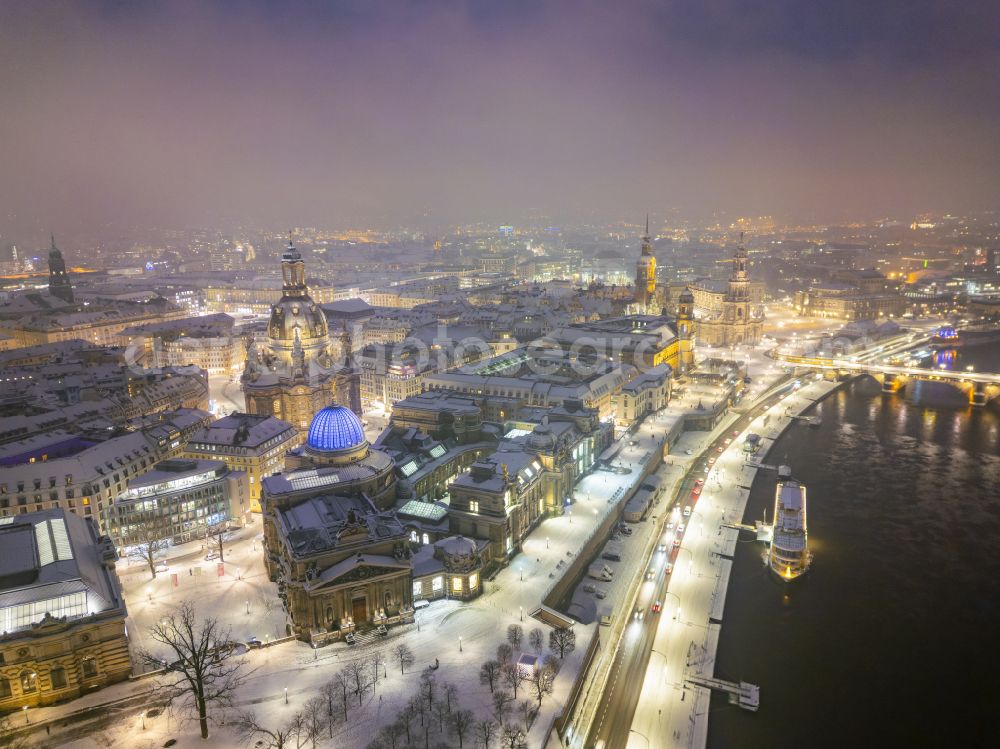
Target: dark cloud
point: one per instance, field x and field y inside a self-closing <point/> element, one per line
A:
<point x="331" y="112"/>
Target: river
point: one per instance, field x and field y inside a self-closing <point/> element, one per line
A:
<point x="891" y="639"/>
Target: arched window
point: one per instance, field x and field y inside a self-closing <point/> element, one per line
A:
<point x="29" y="682"/>
<point x="427" y="539"/>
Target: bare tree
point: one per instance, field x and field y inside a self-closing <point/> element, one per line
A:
<point x="357" y="675"/>
<point x="340" y="684"/>
<point x="504" y="653"/>
<point x="293" y="734"/>
<point x="553" y="664"/>
<point x="315" y="715"/>
<point x="501" y="703"/>
<point x="562" y="641"/>
<point x="406" y="717"/>
<point x="441" y="713"/>
<point x="536" y="639"/>
<point x="423" y="711"/>
<point x="513" y="737"/>
<point x="541" y="684"/>
<point x="377" y="664"/>
<point x="513" y="677"/>
<point x="461" y="723"/>
<point x="147" y="538"/>
<point x="404" y="656"/>
<point x="427" y="686"/>
<point x="450" y="692"/>
<point x="529" y="711"/>
<point x="515" y="634"/>
<point x="392" y="733"/>
<point x="489" y="673"/>
<point x="198" y="673"/>
<point x="486" y="730"/>
<point x="330" y="691"/>
<point x="217" y="535"/>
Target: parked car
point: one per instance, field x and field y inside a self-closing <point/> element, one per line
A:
<point x="162" y="567"/>
<point x="600" y="593"/>
<point x="650" y="574"/>
<point x="669" y="568"/>
<point x="588" y="588"/>
<point x="639" y="613"/>
<point x="661" y="548"/>
<point x="655" y="608"/>
<point x="699" y="482"/>
<point x="211" y="555"/>
<point x="680" y="528"/>
<point x="687" y="513"/>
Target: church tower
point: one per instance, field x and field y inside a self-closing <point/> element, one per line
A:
<point x="59" y="285"/>
<point x="645" y="273"/>
<point x="685" y="330"/>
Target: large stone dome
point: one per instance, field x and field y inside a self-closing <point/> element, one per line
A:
<point x="334" y="429"/>
<point x="297" y="312"/>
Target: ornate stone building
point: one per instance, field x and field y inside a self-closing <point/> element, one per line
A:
<point x="62" y="614"/>
<point x="296" y="373"/>
<point x="740" y="318"/>
<point x="338" y="552"/>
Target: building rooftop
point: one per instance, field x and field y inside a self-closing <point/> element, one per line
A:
<point x="54" y="564"/>
<point x="241" y="430"/>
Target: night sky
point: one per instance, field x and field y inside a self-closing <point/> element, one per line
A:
<point x="387" y="113"/>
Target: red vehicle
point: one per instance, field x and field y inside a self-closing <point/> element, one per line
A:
<point x="677" y="543"/>
<point x="655" y="608"/>
<point x="696" y="491"/>
<point x="699" y="482"/>
<point x="711" y="461"/>
<point x="719" y="449"/>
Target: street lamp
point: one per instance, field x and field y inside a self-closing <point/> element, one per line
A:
<point x="315" y="656"/>
<point x="459" y="643"/>
<point x="248" y="607"/>
<point x="546" y="542"/>
<point x="522" y="612"/>
<point x="25" y="709"/>
<point x="142" y="716"/>
<point x="286" y="695"/>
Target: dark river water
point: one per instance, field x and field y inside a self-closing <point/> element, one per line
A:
<point x="893" y="638"/>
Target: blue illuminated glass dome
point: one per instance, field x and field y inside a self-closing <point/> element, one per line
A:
<point x="335" y="428"/>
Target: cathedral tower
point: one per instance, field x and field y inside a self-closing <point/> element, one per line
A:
<point x="59" y="285"/>
<point x="645" y="272"/>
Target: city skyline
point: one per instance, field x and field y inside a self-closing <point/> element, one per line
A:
<point x="433" y="113"/>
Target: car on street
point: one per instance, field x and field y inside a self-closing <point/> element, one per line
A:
<point x="689" y="452"/>
<point x="655" y="608"/>
<point x="650" y="574"/>
<point x="162" y="567"/>
<point x="699" y="482"/>
<point x="639" y="613"/>
<point x="626" y="530"/>
<point x="728" y="440"/>
<point x="736" y="433"/>
<point x="680" y="528"/>
<point x="669" y="568"/>
<point x="687" y="512"/>
<point x="711" y="461"/>
<point x="588" y="588"/>
<point x="212" y="555"/>
<point x="719" y="449"/>
<point x="661" y="548"/>
<point x="677" y="542"/>
<point x="696" y="491"/>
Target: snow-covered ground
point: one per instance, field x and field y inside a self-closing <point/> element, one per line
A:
<point x="458" y="636"/>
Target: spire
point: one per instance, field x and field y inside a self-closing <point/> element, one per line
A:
<point x="647" y="225"/>
<point x="54" y="242"/>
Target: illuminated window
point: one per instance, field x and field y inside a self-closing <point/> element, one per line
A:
<point x="473" y="581"/>
<point x="427" y="539"/>
<point x="418" y="589"/>
<point x="456" y="585"/>
<point x="437" y="584"/>
<point x="474" y="507"/>
<point x="29" y="682"/>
